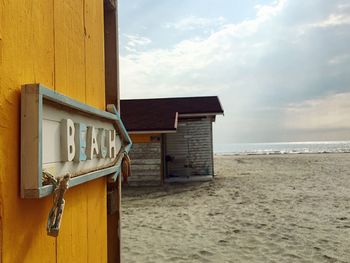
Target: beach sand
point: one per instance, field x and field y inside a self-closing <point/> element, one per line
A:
<point x="280" y="208"/>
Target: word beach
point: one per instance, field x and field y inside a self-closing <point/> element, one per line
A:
<point x="80" y="142"/>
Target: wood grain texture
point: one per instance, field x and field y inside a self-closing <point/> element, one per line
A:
<point x="114" y="224"/>
<point x="1" y="133"/>
<point x="45" y="42"/>
<point x="111" y="56"/>
<point x="95" y="67"/>
<point x="70" y="80"/>
<point x="27" y="57"/>
<point x="96" y="191"/>
<point x="146" y="168"/>
<point x="112" y="97"/>
<point x="97" y="220"/>
<point x="1" y="15"/>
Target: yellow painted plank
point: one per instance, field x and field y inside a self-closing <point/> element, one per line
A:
<point x="70" y="48"/>
<point x="97" y="221"/>
<point x="27" y="56"/>
<point x="1" y="133"/>
<point x="94" y="44"/>
<point x="1" y="21"/>
<point x="95" y="96"/>
<point x="44" y="42"/>
<point x="72" y="240"/>
<point x="70" y="80"/>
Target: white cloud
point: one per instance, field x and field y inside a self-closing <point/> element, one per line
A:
<point x="193" y="22"/>
<point x="330" y="112"/>
<point x="343" y="6"/>
<point x="174" y="69"/>
<point x="272" y="60"/>
<point x="339" y="59"/>
<point x="334" y="20"/>
<point x="267" y="11"/>
<point x="136" y="41"/>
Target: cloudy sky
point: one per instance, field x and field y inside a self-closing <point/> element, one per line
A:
<point x="281" y="68"/>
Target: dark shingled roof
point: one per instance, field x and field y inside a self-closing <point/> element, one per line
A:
<point x="160" y="114"/>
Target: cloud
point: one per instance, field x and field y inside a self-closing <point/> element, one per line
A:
<point x="193" y="22"/>
<point x="340" y="59"/>
<point x="334" y="20"/>
<point x="186" y="66"/>
<point x="136" y="41"/>
<point x="292" y="51"/>
<point x="330" y="112"/>
<point x="267" y="11"/>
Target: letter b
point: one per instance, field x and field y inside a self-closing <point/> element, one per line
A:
<point x="67" y="140"/>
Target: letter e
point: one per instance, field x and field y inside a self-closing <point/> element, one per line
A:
<point x="80" y="142"/>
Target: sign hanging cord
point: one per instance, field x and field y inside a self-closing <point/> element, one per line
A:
<point x="126" y="168"/>
<point x="55" y="216"/>
<point x="60" y="186"/>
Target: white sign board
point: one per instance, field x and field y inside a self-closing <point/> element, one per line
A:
<point x="62" y="136"/>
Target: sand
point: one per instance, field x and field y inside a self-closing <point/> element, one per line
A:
<point x="281" y="208"/>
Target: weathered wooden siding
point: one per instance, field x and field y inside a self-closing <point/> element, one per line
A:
<point x="146" y="164"/>
<point x="190" y="148"/>
<point x="59" y="44"/>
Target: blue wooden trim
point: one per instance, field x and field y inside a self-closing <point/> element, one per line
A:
<point x="40" y="140"/>
<point x="114" y="176"/>
<point x="126" y="139"/>
<point x="44" y="191"/>
<point x="91" y="176"/>
<point x="71" y="103"/>
<point x="44" y="93"/>
<point x="47" y="189"/>
<point x="111" y="108"/>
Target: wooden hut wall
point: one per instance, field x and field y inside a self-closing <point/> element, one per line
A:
<point x="190" y="150"/>
<point x="146" y="158"/>
<point x="59" y="44"/>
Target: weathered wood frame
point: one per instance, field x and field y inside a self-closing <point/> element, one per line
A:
<point x="112" y="95"/>
<point x="32" y="97"/>
<point x="112" y="92"/>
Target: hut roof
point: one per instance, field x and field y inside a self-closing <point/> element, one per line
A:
<point x="161" y="114"/>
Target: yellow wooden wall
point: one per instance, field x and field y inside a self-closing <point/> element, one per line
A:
<point x="58" y="43"/>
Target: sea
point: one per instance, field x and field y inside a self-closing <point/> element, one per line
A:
<point x="282" y="148"/>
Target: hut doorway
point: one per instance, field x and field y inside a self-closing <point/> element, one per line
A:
<point x="189" y="151"/>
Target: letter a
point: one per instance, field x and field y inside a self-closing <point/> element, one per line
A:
<point x="92" y="146"/>
<point x="102" y="142"/>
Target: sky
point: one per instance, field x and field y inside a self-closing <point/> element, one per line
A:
<point x="280" y="68"/>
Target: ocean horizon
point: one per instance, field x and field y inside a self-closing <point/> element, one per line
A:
<point x="282" y="148"/>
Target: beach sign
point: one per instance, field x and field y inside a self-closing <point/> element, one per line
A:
<point x="61" y="136"/>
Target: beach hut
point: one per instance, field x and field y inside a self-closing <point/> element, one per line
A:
<point x="71" y="49"/>
<point x="173" y="138"/>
